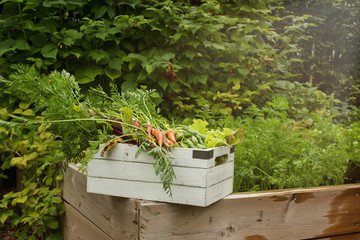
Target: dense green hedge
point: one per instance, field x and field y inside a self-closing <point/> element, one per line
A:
<point x="224" y="55"/>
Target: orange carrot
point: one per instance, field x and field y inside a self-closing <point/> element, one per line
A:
<point x="164" y="138"/>
<point x="170" y="143"/>
<point x="159" y="136"/>
<point x="136" y="123"/>
<point x="171" y="135"/>
<point x="149" y="127"/>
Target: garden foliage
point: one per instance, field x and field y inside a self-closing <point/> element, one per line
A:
<point x="275" y="67"/>
<point x="330" y="58"/>
<point x="280" y="152"/>
<point x="33" y="211"/>
<point x="225" y="55"/>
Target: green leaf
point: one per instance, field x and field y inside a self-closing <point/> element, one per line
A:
<point x="200" y="126"/>
<point x="116" y="63"/>
<point x="88" y="73"/>
<point x="167" y="56"/>
<point x="49" y="51"/>
<point x="24" y="105"/>
<point x="132" y="3"/>
<point x="19" y="162"/>
<point x="7" y="45"/>
<point x="53" y="224"/>
<point x="28" y="112"/>
<point x="98" y="54"/>
<point x="142" y="76"/>
<point x="5" y="214"/>
<point x="22" y="199"/>
<point x="128" y="45"/>
<point x="130" y="77"/>
<point x="59" y="177"/>
<point x="202" y="78"/>
<point x="21" y="44"/>
<point x="111" y="12"/>
<point x="30" y="156"/>
<point x="128" y="86"/>
<point x="74" y="34"/>
<point x="149" y="68"/>
<point x="176" y="37"/>
<point x="3" y="217"/>
<point x="56" y="200"/>
<point x="189" y="53"/>
<point x="112" y="73"/>
<point x="212" y="142"/>
<point x="4" y="115"/>
<point x="243" y="71"/>
<point x="163" y="83"/>
<point x="50" y="3"/>
<point x="17" y="111"/>
<point x="76" y="52"/>
<point x="38" y="62"/>
<point x="100" y="12"/>
<point x="136" y="57"/>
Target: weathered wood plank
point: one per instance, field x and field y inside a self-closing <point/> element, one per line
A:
<point x="116" y="216"/>
<point x="352" y="236"/>
<point x="76" y="226"/>
<point x="154" y="191"/>
<point x="289" y="214"/>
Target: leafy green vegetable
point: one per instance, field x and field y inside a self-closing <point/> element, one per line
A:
<point x="200" y="126"/>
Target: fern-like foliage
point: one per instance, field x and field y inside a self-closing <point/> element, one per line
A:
<point x="82" y="123"/>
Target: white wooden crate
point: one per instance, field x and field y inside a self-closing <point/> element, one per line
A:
<point x="198" y="181"/>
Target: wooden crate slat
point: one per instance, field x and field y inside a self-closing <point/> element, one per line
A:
<point x="135" y="171"/>
<point x="291" y="214"/>
<point x="183" y="156"/>
<point x="114" y="215"/>
<point x="148" y="190"/>
<point x="216" y="174"/>
<point x="76" y="226"/>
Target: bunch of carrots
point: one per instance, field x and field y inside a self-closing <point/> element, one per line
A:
<point x="163" y="138"/>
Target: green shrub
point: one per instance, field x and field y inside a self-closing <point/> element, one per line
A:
<point x="278" y="152"/>
<point x="34" y="211"/>
<point x="225" y="55"/>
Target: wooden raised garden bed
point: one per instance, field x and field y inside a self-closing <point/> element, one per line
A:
<point x="312" y="213"/>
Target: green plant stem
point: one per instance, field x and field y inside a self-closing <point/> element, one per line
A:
<point x="21" y="22"/>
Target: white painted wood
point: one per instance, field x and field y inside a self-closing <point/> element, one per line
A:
<point x="198" y="181"/>
<point x="135" y="171"/>
<point x="182" y="156"/>
<point x="219" y="173"/>
<point x="218" y="191"/>
<point x="147" y="191"/>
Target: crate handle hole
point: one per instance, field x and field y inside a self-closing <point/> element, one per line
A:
<point x="221" y="159"/>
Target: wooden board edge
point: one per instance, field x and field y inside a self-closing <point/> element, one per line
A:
<point x="77" y="226"/>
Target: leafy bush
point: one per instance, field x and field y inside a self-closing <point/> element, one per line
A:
<point x="305" y="99"/>
<point x="331" y="57"/>
<point x="33" y="211"/>
<point x="224" y="55"/>
<point x="278" y="152"/>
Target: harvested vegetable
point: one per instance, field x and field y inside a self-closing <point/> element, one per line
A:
<point x="159" y="136"/>
<point x="171" y="135"/>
